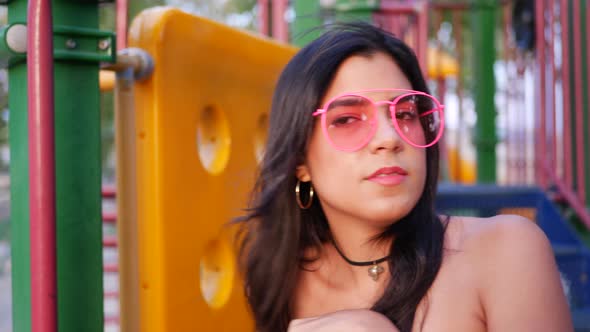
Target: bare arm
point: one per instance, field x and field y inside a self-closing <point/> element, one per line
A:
<point x="521" y="288"/>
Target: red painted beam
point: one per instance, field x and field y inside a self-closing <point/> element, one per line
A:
<point x="280" y="28"/>
<point x="109" y="218"/>
<point x="41" y="167"/>
<point x="263" y="26"/>
<point x="111" y="268"/>
<point x="122" y="12"/>
<point x="109" y="241"/>
<point x="578" y="95"/>
<point x="567" y="104"/>
<point x="540" y="148"/>
<point x="109" y="192"/>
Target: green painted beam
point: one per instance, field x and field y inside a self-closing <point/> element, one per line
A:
<point x="356" y="10"/>
<point x="78" y="180"/>
<point x="308" y="20"/>
<point x="484" y="23"/>
<point x="19" y="184"/>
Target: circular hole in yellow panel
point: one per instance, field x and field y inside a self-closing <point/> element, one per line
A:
<point x="260" y="136"/>
<point x="213" y="139"/>
<point x="217" y="271"/>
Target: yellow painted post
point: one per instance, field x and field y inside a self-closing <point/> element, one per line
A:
<point x="106" y="80"/>
<point x="200" y="124"/>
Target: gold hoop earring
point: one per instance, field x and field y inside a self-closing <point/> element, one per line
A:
<point x="298" y="196"/>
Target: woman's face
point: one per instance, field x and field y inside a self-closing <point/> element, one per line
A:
<point x="347" y="183"/>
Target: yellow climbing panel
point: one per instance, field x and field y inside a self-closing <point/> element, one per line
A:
<point x="201" y="120"/>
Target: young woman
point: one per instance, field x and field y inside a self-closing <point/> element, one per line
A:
<point x="342" y="234"/>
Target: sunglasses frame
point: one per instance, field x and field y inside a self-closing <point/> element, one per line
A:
<point x="392" y="103"/>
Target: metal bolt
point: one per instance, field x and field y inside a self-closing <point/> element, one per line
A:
<point x="71" y="44"/>
<point x="104" y="44"/>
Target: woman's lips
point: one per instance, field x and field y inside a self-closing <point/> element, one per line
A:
<point x="388" y="176"/>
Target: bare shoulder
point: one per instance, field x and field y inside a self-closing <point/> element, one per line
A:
<point x="479" y="235"/>
<point x="518" y="283"/>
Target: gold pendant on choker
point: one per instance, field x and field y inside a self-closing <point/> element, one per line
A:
<point x="375" y="270"/>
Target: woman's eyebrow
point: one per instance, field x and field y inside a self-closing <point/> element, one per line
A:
<point x="347" y="101"/>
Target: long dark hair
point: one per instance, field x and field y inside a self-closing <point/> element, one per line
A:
<point x="278" y="232"/>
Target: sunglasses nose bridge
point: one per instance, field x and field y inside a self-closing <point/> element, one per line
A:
<point x="384" y="123"/>
<point x="383" y="102"/>
<point x="384" y="108"/>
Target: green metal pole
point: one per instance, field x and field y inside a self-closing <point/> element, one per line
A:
<point x="78" y="172"/>
<point x="19" y="187"/>
<point x="484" y="23"/>
<point x="308" y="17"/>
<point x="78" y="177"/>
<point x="356" y="10"/>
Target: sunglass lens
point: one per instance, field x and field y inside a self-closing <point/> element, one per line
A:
<point x="349" y="121"/>
<point x="419" y="118"/>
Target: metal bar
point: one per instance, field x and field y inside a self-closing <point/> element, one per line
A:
<point x="422" y="34"/>
<point x="109" y="218"/>
<point x="483" y="32"/>
<point x="509" y="163"/>
<point x="280" y="28"/>
<point x="439" y="79"/>
<point x="572" y="199"/>
<point x="552" y="81"/>
<point x="128" y="60"/>
<point x="565" y="82"/>
<point x="395" y="24"/>
<point x="451" y="5"/>
<point x="76" y="31"/>
<point x="524" y="137"/>
<point x="111" y="294"/>
<point x="109" y="192"/>
<point x="586" y="119"/>
<point x="364" y="10"/>
<point x="111" y="268"/>
<point x="122" y="11"/>
<point x="399" y="8"/>
<point x="109" y="241"/>
<point x="263" y="27"/>
<point x="540" y="150"/>
<point x="78" y="171"/>
<point x="458" y="32"/>
<point x="465" y="5"/>
<point x="127" y="229"/>
<point x="42" y="167"/>
<point x="579" y="116"/>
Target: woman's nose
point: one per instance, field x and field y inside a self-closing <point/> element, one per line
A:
<point x="386" y="137"/>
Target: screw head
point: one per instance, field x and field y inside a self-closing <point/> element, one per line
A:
<point x="104" y="44"/>
<point x="71" y="44"/>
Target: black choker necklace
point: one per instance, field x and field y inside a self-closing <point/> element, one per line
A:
<point x="374" y="271"/>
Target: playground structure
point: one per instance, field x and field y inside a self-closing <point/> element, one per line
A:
<point x="190" y="130"/>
